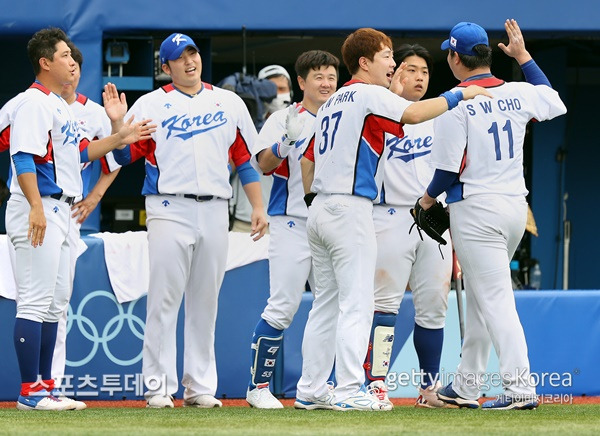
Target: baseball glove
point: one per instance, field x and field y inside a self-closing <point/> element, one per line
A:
<point x="433" y="221"/>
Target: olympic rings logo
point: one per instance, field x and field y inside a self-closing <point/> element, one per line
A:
<point x="110" y="331"/>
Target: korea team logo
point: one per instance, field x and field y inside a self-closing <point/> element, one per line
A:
<point x="453" y="41"/>
<point x="178" y="38"/>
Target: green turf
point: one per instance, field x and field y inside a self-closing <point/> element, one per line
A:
<point x="557" y="419"/>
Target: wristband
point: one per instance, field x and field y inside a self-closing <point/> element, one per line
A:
<point x="452" y="98"/>
<point x="283" y="148"/>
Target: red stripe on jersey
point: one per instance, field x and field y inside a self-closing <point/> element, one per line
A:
<point x="463" y="162"/>
<point x="5" y="139"/>
<point x="104" y="165"/>
<point x="48" y="157"/>
<point x="353" y="81"/>
<point x="309" y="153"/>
<point x="283" y="169"/>
<point x="374" y="129"/>
<point x="207" y="86"/>
<point x="81" y="99"/>
<point x="239" y="152"/>
<point x="488" y="82"/>
<point x="168" y="88"/>
<point x="145" y="149"/>
<point x="83" y="144"/>
<point x="40" y="87"/>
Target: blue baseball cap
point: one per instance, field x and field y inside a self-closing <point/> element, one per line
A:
<point x="464" y="36"/>
<point x="172" y="47"/>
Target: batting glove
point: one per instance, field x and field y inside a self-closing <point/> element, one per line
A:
<point x="293" y="129"/>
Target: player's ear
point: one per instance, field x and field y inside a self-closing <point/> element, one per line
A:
<point x="44" y="63"/>
<point x="301" y="83"/>
<point x="363" y="63"/>
<point x="166" y="69"/>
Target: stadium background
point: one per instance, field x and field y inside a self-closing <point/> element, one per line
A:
<point x="563" y="38"/>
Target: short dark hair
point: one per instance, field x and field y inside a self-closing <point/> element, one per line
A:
<point x="406" y="50"/>
<point x="364" y="42"/>
<point x="76" y="53"/>
<point x="43" y="45"/>
<point x="483" y="58"/>
<point x="314" y="60"/>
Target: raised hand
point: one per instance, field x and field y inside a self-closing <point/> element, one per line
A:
<point x="293" y="123"/>
<point x="397" y="86"/>
<point x="134" y="132"/>
<point x="115" y="105"/>
<point x="516" y="43"/>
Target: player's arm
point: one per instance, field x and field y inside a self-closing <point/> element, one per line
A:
<point x="130" y="132"/>
<point x="27" y="178"/>
<point x="250" y="182"/>
<point x="427" y="109"/>
<point x="270" y="158"/>
<point x="516" y="49"/>
<point x="82" y="209"/>
<point x="308" y="173"/>
<point x="441" y="182"/>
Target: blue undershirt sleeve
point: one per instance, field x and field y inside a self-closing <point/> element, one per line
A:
<point x="534" y="74"/>
<point x="23" y="163"/>
<point x="442" y="180"/>
<point x="247" y="173"/>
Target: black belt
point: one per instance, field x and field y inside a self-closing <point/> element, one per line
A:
<point x="199" y="198"/>
<point x="60" y="197"/>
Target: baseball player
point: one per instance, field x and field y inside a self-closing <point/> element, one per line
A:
<point x="347" y="152"/>
<point x="486" y="197"/>
<point x="281" y="142"/>
<point x="46" y="152"/>
<point x="404" y="258"/>
<point x="187" y="187"/>
<point x="93" y="123"/>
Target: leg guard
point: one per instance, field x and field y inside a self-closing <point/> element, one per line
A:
<point x="265" y="346"/>
<point x="377" y="362"/>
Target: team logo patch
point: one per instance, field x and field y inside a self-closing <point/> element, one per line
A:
<point x="55" y="210"/>
<point x="453" y="41"/>
<point x="165" y="203"/>
<point x="269" y="363"/>
<point x="391" y="211"/>
<point x="291" y="224"/>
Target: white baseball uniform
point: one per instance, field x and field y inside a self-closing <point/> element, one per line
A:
<point x="482" y="140"/>
<point x="93" y="124"/>
<point x="187" y="157"/>
<point x="289" y="254"/>
<point x="347" y="150"/>
<point x="43" y="125"/>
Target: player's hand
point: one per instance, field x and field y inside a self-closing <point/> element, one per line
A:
<point x="85" y="207"/>
<point x="134" y="132"/>
<point x="516" y="43"/>
<point x="37" y="225"/>
<point x="473" y="91"/>
<point x="115" y="105"/>
<point x="293" y="123"/>
<point x="397" y="85"/>
<point x="260" y="224"/>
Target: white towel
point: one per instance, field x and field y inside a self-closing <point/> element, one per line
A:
<point x="126" y="256"/>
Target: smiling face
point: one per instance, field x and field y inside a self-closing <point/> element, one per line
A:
<point x="416" y="75"/>
<point x="185" y="71"/>
<point x="380" y="70"/>
<point x="319" y="85"/>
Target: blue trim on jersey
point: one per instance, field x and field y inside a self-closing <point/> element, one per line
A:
<point x="455" y="192"/>
<point x="86" y="178"/>
<point x="534" y="74"/>
<point x="46" y="179"/>
<point x="151" y="180"/>
<point x="23" y="163"/>
<point x="364" y="171"/>
<point x="479" y="76"/>
<point x="84" y="156"/>
<point x="441" y="181"/>
<point x="279" y="196"/>
<point x="123" y="156"/>
<point x="247" y="173"/>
